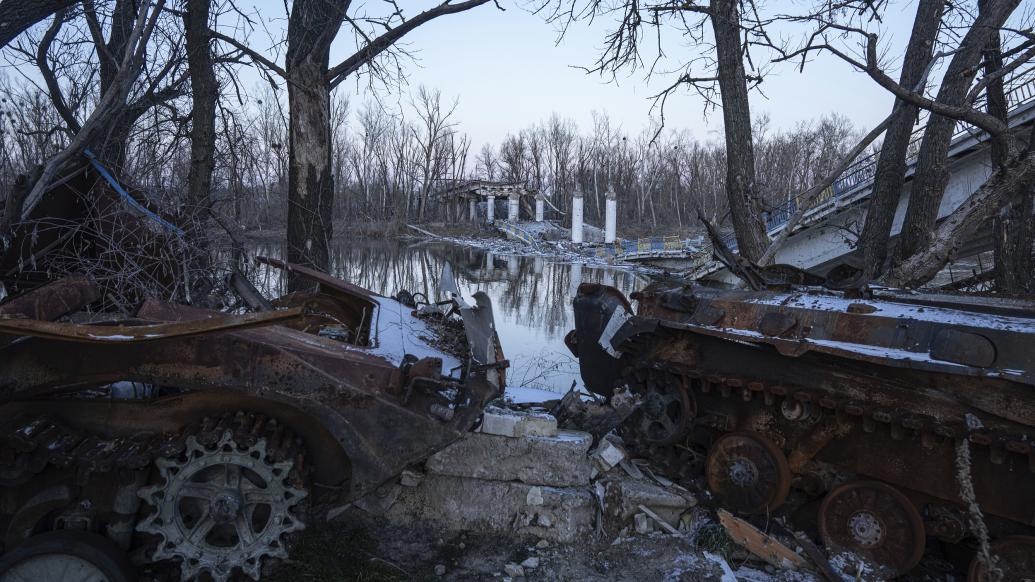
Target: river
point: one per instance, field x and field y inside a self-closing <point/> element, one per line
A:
<point x="531" y="295"/>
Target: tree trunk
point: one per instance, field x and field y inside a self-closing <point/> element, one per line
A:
<point x="16" y="16"/>
<point x="891" y="164"/>
<point x="1006" y="183"/>
<point x="745" y="208"/>
<point x="1014" y="226"/>
<point x="204" y="92"/>
<point x="110" y="144"/>
<point x="932" y="167"/>
<point x="312" y="26"/>
<point x="311" y="184"/>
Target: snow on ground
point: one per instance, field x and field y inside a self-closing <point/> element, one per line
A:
<point x="525" y="395"/>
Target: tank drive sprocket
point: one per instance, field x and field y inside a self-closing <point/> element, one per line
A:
<point x="665" y="412"/>
<point x="221" y="507"/>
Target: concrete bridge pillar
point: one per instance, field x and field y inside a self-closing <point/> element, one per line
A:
<point x="490" y="209"/>
<point x="610" y="216"/>
<point x="473" y="212"/>
<point x="512" y="207"/>
<point x="539" y="204"/>
<point x="576" y="217"/>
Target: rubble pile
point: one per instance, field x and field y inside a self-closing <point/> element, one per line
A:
<point x="521" y="477"/>
<point x="520" y="474"/>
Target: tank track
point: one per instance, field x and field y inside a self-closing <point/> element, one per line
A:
<point x="900" y="422"/>
<point x="29" y="444"/>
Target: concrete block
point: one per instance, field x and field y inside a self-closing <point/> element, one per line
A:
<point x="643" y="523"/>
<point x="623" y="498"/>
<point x="534" y="496"/>
<point x="558" y="461"/>
<point x="514" y="423"/>
<point x="607" y="455"/>
<point x="566" y="514"/>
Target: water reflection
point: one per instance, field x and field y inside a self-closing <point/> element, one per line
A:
<point x="531" y="295"/>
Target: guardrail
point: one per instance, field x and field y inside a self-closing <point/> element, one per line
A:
<point x="860" y="173"/>
<point x="509" y="228"/>
<point x="654" y="246"/>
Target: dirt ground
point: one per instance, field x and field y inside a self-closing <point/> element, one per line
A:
<point x="355" y="547"/>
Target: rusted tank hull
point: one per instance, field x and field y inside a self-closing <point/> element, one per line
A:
<point x="324" y="400"/>
<point x="863" y="388"/>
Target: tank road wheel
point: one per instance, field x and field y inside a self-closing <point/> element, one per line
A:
<point x="222" y="507"/>
<point x="665" y="412"/>
<point x="69" y="556"/>
<point x="1016" y="560"/>
<point x="748" y="473"/>
<point x="875" y="521"/>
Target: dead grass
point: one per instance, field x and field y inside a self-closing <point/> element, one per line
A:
<point x="335" y="554"/>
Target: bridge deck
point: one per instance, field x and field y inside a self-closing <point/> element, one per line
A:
<point x="856" y="183"/>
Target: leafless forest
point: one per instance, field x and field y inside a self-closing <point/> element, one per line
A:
<point x="155" y="91"/>
<point x="385" y="170"/>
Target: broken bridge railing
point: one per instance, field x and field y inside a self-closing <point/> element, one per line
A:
<point x="510" y="229"/>
<point x="859" y="176"/>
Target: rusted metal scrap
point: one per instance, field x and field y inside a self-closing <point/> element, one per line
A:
<point x="862" y="402"/>
<point x="200" y="439"/>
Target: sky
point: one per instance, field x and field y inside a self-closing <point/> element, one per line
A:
<point x="509" y="70"/>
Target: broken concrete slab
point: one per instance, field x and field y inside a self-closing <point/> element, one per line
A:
<point x="607" y="455"/>
<point x="410" y="478"/>
<point x="623" y="499"/>
<point x="458" y="503"/>
<point x="517" y="423"/>
<point x="643" y="523"/>
<point x="557" y="461"/>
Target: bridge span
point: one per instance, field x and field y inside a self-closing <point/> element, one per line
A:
<point x="826" y="233"/>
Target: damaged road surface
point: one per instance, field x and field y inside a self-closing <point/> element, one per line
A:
<point x="191" y="440"/>
<point x="900" y="422"/>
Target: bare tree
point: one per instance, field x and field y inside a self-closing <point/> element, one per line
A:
<point x="734" y="27"/>
<point x="16" y="16"/>
<point x="436" y="127"/>
<point x="111" y="111"/>
<point x="932" y="171"/>
<point x="313" y="26"/>
<point x="925" y="253"/>
<point x="204" y="95"/>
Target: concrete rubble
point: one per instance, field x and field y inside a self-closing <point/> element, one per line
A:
<point x="521" y="475"/>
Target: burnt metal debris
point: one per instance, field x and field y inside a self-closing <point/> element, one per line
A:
<point x="884" y="407"/>
<point x="195" y="439"/>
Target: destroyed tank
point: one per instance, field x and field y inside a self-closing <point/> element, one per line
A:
<point x="908" y="419"/>
<point x="186" y="444"/>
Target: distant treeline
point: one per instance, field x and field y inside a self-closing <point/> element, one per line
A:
<point x="389" y="163"/>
